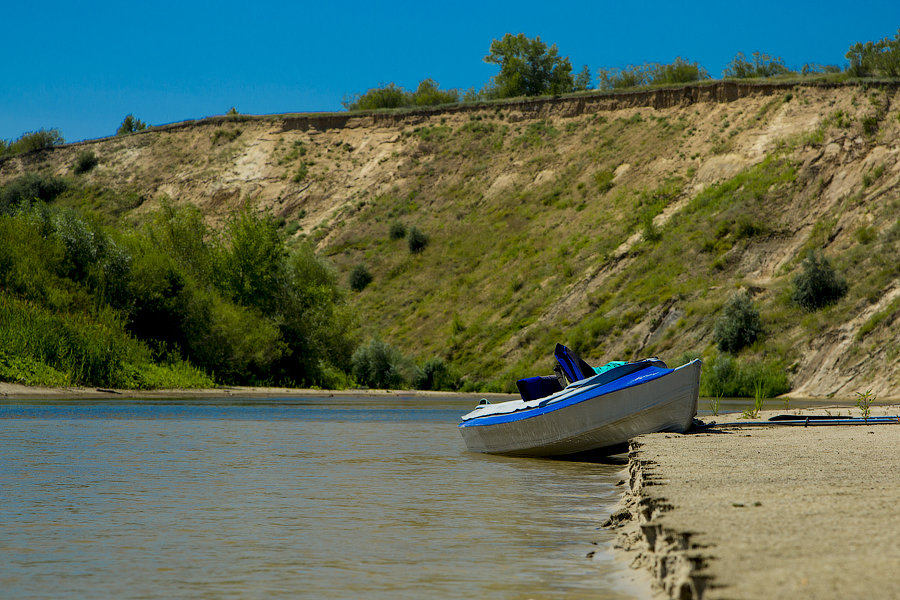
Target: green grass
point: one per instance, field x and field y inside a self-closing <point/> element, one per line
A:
<point x="44" y="347"/>
<point x="888" y="314"/>
<point x="723" y="375"/>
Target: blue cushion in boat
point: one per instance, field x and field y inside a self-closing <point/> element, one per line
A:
<point x="533" y="388"/>
<point x="574" y="368"/>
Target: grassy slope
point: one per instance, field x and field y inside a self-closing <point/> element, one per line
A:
<point x="618" y="228"/>
<point x="512" y="270"/>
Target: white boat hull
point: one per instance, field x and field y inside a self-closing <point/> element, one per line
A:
<point x="667" y="403"/>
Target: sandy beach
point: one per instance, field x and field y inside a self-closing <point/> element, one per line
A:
<point x="766" y="512"/>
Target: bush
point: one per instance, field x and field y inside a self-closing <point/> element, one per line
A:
<point x="723" y="375"/>
<point x="238" y="305"/>
<point x="819" y="284"/>
<point x="870" y="125"/>
<point x="33" y="140"/>
<point x="680" y="71"/>
<point x="428" y="94"/>
<point x="379" y="365"/>
<point x="417" y="240"/>
<point x="398" y="230"/>
<point x="583" y="80"/>
<point x="739" y="325"/>
<point x="761" y="65"/>
<point x="130" y="125"/>
<point x="871" y="59"/>
<point x="30" y="187"/>
<point x="435" y="374"/>
<point x="389" y="96"/>
<point x="393" y="96"/>
<point x="83" y="241"/>
<point x="224" y="136"/>
<point x="360" y="278"/>
<point x="620" y="79"/>
<point x="85" y="161"/>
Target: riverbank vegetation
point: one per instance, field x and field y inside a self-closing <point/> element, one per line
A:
<point x="172" y="303"/>
<point x="89" y="300"/>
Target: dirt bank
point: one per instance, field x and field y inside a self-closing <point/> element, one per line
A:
<point x="766" y="512"/>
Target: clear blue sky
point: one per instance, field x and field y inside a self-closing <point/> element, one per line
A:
<point x="82" y="66"/>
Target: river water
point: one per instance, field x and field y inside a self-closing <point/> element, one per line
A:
<point x="311" y="498"/>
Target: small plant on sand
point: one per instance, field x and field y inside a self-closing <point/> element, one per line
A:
<point x="759" y="397"/>
<point x="863" y="402"/>
<point x="715" y="403"/>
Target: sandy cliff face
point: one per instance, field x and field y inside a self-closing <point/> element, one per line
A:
<point x="538" y="213"/>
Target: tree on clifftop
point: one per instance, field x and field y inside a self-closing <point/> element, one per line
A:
<point x="527" y="68"/>
<point x="130" y="125"/>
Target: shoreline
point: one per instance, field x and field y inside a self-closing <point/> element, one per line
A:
<point x="15" y="391"/>
<point x="734" y="511"/>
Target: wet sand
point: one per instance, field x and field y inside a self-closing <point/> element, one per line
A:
<point x="766" y="512"/>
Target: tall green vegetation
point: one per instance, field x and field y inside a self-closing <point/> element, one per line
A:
<point x="416" y="240"/>
<point x="55" y="327"/>
<point x="679" y="71"/>
<point x="359" y="278"/>
<point x="528" y="67"/>
<point x="84" y="162"/>
<point x="725" y="376"/>
<point x="130" y="124"/>
<point x="429" y="94"/>
<point x="31" y="141"/>
<point x="739" y="325"/>
<point x="758" y="65"/>
<point x="266" y="314"/>
<point x="818" y="284"/>
<point x="881" y="58"/>
<point x="173" y="303"/>
<point x="28" y="187"/>
<point x="393" y="96"/>
<point x="378" y="364"/>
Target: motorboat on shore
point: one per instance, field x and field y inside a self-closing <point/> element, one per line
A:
<point x="596" y="411"/>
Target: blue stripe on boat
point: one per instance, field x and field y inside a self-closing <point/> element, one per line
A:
<point x="580" y="394"/>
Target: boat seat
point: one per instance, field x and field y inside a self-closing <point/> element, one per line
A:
<point x="535" y="388"/>
<point x="573" y="367"/>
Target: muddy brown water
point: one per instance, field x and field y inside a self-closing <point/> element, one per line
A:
<point x="310" y="498"/>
